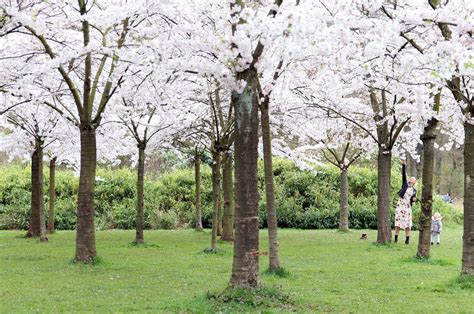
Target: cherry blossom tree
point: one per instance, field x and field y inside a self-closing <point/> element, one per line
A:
<point x="90" y="45"/>
<point x="152" y="120"/>
<point x="449" y="29"/>
<point x="442" y="34"/>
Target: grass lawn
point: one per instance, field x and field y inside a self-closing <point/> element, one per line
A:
<point x="330" y="272"/>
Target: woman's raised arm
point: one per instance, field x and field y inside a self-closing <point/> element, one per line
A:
<point x="404" y="173"/>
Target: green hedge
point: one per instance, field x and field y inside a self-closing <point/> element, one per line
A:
<point x="305" y="199"/>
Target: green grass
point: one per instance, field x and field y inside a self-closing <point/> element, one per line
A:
<point x="329" y="272"/>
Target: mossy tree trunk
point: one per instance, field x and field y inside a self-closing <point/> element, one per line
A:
<point x="37" y="226"/>
<point x="228" y="189"/>
<point x="52" y="194"/>
<point x="428" y="137"/>
<point x="424" y="240"/>
<point x="245" y="266"/>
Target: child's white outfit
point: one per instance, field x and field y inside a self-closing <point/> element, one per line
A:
<point x="436" y="228"/>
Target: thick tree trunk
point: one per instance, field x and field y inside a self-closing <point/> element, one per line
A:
<point x="344" y="201"/>
<point x="468" y="235"/>
<point x="274" y="258"/>
<point x="37" y="219"/>
<point x="140" y="219"/>
<point x="85" y="235"/>
<point x="52" y="193"/>
<point x="428" y="139"/>
<point x="228" y="187"/>
<point x="197" y="177"/>
<point x="245" y="266"/>
<point x="384" y="165"/>
<point x="216" y="195"/>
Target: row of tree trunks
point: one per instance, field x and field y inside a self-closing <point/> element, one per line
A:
<point x="228" y="189"/>
<point x="274" y="258"/>
<point x="140" y="219"/>
<point x="52" y="194"/>
<point x="245" y="266"/>
<point x="344" y="201"/>
<point x="428" y="139"/>
<point x="37" y="226"/>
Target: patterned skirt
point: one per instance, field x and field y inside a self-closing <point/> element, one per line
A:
<point x="403" y="214"/>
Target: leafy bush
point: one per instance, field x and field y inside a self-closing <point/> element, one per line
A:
<point x="304" y="199"/>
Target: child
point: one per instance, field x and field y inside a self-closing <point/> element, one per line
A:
<point x="436" y="227"/>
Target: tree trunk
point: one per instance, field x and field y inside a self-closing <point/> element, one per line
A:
<point x="384" y="165"/>
<point x="450" y="188"/>
<point x="274" y="258"/>
<point x="52" y="193"/>
<point x="220" y="211"/>
<point x="85" y="235"/>
<point x="437" y="172"/>
<point x="37" y="219"/>
<point x="468" y="235"/>
<point x="216" y="194"/>
<point x="197" y="175"/>
<point x="419" y="165"/>
<point x="428" y="139"/>
<point x="411" y="164"/>
<point x="140" y="219"/>
<point x="245" y="266"/>
<point x="228" y="187"/>
<point x="344" y="201"/>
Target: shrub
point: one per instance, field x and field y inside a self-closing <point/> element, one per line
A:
<point x="167" y="220"/>
<point x="304" y="199"/>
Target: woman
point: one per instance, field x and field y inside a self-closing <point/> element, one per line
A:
<point x="403" y="215"/>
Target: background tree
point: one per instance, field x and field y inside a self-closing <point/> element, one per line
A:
<point x="31" y="131"/>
